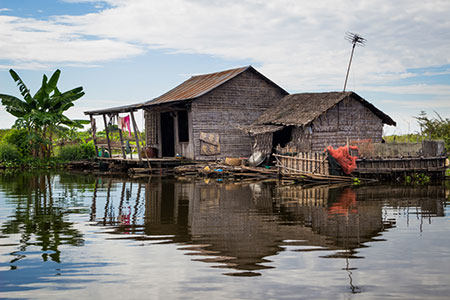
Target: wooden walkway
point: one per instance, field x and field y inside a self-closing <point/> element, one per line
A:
<point x="136" y="160"/>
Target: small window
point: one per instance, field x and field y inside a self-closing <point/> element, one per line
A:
<point x="183" y="126"/>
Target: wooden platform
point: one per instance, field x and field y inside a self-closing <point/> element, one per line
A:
<point x="434" y="166"/>
<point x="163" y="161"/>
<point x="133" y="160"/>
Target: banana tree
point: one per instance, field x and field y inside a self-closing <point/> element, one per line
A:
<point x="42" y="114"/>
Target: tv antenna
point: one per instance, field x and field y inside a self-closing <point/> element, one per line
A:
<point x="354" y="39"/>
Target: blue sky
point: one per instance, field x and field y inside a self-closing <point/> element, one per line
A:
<point x="129" y="51"/>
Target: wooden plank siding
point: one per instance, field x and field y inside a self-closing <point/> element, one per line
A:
<point x="348" y="120"/>
<point x="235" y="103"/>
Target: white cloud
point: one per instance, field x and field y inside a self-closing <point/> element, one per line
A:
<point x="4" y="9"/>
<point x="423" y="105"/>
<point x="424" y="89"/>
<point x="31" y="40"/>
<point x="298" y="44"/>
<point x="292" y="41"/>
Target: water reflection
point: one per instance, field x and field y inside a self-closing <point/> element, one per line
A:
<point x="240" y="226"/>
<point x="40" y="215"/>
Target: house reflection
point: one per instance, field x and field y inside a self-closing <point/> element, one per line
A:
<point x="240" y="226"/>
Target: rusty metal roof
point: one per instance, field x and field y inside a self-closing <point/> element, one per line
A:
<point x="197" y="86"/>
<point x="192" y="88"/>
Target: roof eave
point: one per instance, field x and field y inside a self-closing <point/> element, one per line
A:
<point x="114" y="110"/>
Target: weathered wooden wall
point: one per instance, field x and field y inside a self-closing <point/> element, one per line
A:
<point x="153" y="132"/>
<point x="263" y="142"/>
<point x="301" y="138"/>
<point x="151" y="128"/>
<point x="349" y="120"/>
<point x="236" y="103"/>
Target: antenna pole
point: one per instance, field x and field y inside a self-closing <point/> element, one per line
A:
<point x="354" y="39"/>
<point x="349" y="64"/>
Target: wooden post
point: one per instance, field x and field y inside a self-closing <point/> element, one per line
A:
<point x="136" y="135"/>
<point x="121" y="143"/>
<point x="107" y="135"/>
<point x="94" y="138"/>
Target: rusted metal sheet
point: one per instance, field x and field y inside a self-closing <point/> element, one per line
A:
<point x="197" y="86"/>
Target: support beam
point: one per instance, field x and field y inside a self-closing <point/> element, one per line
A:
<point x="107" y="136"/>
<point x="122" y="146"/>
<point x="94" y="130"/>
<point x="136" y="135"/>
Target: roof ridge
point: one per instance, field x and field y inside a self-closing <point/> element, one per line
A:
<point x="223" y="71"/>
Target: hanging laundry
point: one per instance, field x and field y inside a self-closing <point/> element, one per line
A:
<point x="120" y="123"/>
<point x="124" y="124"/>
<point x="126" y="120"/>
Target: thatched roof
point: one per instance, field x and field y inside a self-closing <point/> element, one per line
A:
<point x="302" y="109"/>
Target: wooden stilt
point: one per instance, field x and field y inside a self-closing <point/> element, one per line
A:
<point x="136" y="135"/>
<point x="107" y="136"/>
<point x="94" y="138"/>
<point x="122" y="146"/>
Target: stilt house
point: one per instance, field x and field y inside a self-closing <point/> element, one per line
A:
<point x="313" y="121"/>
<point x="200" y="118"/>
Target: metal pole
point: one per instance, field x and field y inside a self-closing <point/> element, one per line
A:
<point x="349" y="63"/>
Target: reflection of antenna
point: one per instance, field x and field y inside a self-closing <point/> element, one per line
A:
<point x="355" y="39"/>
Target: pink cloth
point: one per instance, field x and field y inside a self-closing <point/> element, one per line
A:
<point x="126" y="120"/>
<point x="124" y="124"/>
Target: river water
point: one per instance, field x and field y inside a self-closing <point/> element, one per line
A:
<point x="77" y="236"/>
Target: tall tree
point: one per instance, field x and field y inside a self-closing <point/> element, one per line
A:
<point x="42" y="114"/>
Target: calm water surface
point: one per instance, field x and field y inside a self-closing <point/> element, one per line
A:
<point x="74" y="236"/>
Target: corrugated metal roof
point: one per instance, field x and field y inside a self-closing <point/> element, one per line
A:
<point x="192" y="88"/>
<point x="115" y="110"/>
<point x="197" y="86"/>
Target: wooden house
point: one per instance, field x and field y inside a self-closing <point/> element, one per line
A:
<point x="200" y="118"/>
<point x="313" y="121"/>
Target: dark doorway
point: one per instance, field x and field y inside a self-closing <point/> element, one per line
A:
<point x="167" y="135"/>
<point x="282" y="137"/>
<point x="183" y="126"/>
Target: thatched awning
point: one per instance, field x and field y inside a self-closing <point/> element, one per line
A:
<point x="260" y="129"/>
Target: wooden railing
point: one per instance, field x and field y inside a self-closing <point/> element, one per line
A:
<point x="291" y="162"/>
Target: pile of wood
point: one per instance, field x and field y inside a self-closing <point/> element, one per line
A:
<point x="217" y="170"/>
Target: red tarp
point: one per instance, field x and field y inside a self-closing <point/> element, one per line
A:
<point x="343" y="157"/>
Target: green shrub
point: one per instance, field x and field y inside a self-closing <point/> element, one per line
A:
<point x="71" y="152"/>
<point x="9" y="153"/>
<point x="77" y="152"/>
<point x="19" y="138"/>
<point x="88" y="149"/>
<point x="435" y="128"/>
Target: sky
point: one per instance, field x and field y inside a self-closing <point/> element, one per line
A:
<point x="129" y="51"/>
